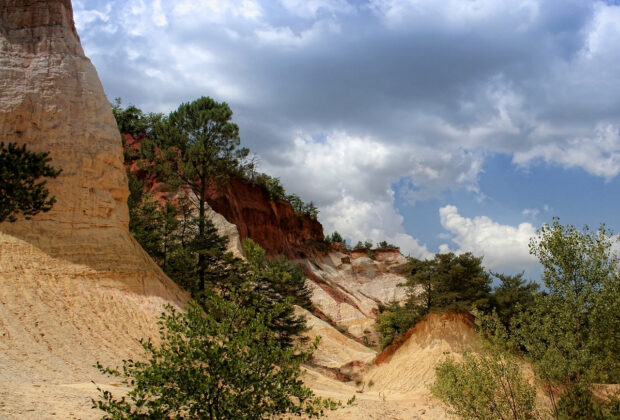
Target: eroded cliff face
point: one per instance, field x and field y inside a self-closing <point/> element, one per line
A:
<point x="74" y="285"/>
<point x="272" y="224"/>
<point x="349" y="286"/>
<point x="51" y="100"/>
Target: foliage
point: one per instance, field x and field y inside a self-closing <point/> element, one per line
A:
<point x="394" y="320"/>
<point x="220" y="364"/>
<point x="446" y="283"/>
<point x="132" y="120"/>
<point x="276" y="192"/>
<point x="21" y="189"/>
<point x="485" y="386"/>
<point x="208" y="141"/>
<point x="450" y="282"/>
<point x="163" y="140"/>
<point x="513" y="296"/>
<point x="278" y="281"/>
<point x="386" y="245"/>
<point x="489" y="384"/>
<point x="570" y="332"/>
<point x="336" y="238"/>
<point x="209" y="144"/>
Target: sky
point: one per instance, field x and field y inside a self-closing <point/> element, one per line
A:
<point x="435" y="125"/>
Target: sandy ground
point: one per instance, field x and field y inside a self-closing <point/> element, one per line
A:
<point x="58" y="318"/>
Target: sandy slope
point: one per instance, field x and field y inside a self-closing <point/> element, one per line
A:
<point x="58" y="318"/>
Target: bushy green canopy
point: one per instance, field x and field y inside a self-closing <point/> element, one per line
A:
<point x="21" y="189"/>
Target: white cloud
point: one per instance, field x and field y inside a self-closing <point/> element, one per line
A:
<point x="455" y="13"/>
<point x="533" y="213"/>
<point x="218" y="10"/>
<point x="350" y="179"/>
<point x="504" y="247"/>
<point x="310" y="8"/>
<point x="286" y="37"/>
<point x="85" y="17"/>
<point x="598" y="154"/>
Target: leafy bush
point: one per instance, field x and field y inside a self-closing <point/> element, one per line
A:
<point x="394" y="320"/>
<point x="486" y="386"/>
<point x="222" y="364"/>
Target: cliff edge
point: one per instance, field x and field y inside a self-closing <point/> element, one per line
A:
<point x="75" y="288"/>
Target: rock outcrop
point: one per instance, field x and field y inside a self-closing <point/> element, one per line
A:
<point x="272" y="224"/>
<point x="74" y="285"/>
<point x="348" y="287"/>
<point x="246" y="207"/>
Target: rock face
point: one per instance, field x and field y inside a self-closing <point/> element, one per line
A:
<point x="349" y="287"/>
<point x="247" y="211"/>
<point x="51" y="100"/>
<point x="74" y="285"/>
<point x="272" y="224"/>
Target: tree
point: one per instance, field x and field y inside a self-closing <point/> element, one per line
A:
<point x="209" y="144"/>
<point x="449" y="282"/>
<point x="395" y="320"/>
<point x="132" y="120"/>
<point x="571" y="331"/>
<point x="221" y="363"/>
<point x="488" y="384"/>
<point x="278" y="282"/>
<point x="446" y="283"/>
<point x="513" y="296"/>
<point x="21" y="189"/>
<point x="337" y="238"/>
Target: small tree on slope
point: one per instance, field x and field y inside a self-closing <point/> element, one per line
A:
<point x="21" y="190"/>
<point x="225" y="364"/>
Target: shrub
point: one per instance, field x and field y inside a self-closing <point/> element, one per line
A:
<point x="486" y="386"/>
<point x="222" y="364"/>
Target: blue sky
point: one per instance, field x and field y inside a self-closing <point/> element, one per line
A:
<point x="452" y="125"/>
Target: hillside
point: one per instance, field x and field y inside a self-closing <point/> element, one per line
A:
<point x="76" y="288"/>
<point x="395" y="386"/>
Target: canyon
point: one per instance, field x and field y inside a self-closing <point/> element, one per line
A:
<point x="76" y="288"/>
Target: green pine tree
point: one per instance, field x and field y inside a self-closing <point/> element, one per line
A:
<point x="22" y="189"/>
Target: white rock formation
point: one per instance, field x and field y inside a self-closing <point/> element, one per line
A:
<point x="348" y="288"/>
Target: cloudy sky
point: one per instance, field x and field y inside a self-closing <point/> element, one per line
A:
<point x="435" y="125"/>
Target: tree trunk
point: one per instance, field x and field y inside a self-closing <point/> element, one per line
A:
<point x="201" y="232"/>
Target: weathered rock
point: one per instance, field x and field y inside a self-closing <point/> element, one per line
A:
<point x="74" y="285"/>
<point x="272" y="224"/>
<point x="349" y="294"/>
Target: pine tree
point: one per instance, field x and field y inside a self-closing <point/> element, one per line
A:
<point x="22" y="191"/>
<point x="209" y="144"/>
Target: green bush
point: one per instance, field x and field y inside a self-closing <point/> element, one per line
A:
<point x="22" y="191"/>
<point x="489" y="385"/>
<point x="222" y="364"/>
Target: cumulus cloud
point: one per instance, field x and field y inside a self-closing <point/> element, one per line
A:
<point x="416" y="92"/>
<point x="350" y="179"/>
<point x="504" y="247"/>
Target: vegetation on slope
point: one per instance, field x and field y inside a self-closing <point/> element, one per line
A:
<point x="22" y="191"/>
<point x="174" y="147"/>
<point x="569" y="334"/>
<point x="236" y="350"/>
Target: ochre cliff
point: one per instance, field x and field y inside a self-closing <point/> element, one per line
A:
<point x="75" y="287"/>
<point x="272" y="224"/>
